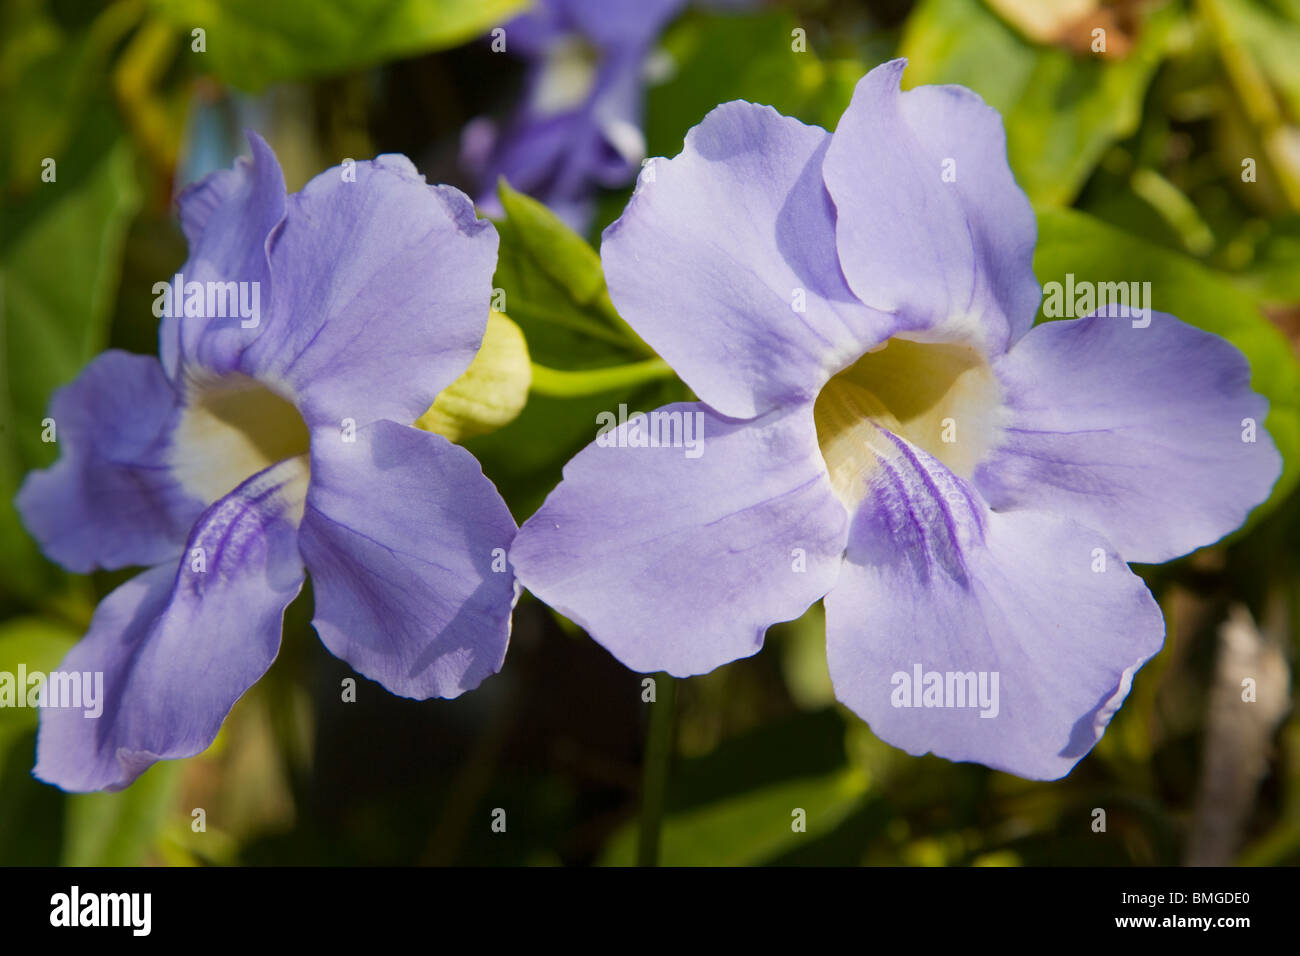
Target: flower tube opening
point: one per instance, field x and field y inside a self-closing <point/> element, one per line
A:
<point x="231" y="429"/>
<point x="941" y="397"/>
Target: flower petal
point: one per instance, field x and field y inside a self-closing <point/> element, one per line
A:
<point x="681" y="563"/>
<point x="721" y="248"/>
<point x="580" y="123"/>
<point x="931" y="224"/>
<point x="610" y="23"/>
<point x="111" y="501"/>
<point x="1135" y="431"/>
<point x="177" y="646"/>
<point x="552" y="158"/>
<point x="381" y="293"/>
<point x="228" y="218"/>
<point x="406" y="542"/>
<point x="933" y="579"/>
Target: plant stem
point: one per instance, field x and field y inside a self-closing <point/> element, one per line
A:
<point x="565" y="384"/>
<point x="658" y="755"/>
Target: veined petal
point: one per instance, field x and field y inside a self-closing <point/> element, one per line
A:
<point x="930" y="222"/>
<point x="177" y="646"/>
<point x="381" y="293"/>
<point x="406" y="542"/>
<point x="679" y="557"/>
<point x="1033" y="624"/>
<point x="111" y="500"/>
<point x="1149" y="433"/>
<point x="228" y="218"/>
<point x="724" y="262"/>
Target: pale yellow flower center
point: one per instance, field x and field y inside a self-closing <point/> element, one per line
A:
<point x="232" y="428"/>
<point x="941" y="397"/>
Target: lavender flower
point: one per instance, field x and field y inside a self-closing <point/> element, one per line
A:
<point x="884" y="429"/>
<point x="263" y="446"/>
<point x="580" y="123"/>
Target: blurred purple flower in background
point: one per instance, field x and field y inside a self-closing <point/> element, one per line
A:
<point x="883" y="428"/>
<point x="304" y="335"/>
<point x="579" y="126"/>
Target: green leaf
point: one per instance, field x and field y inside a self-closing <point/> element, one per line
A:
<point x="36" y="645"/>
<point x="753" y="827"/>
<point x="1072" y="242"/>
<point x="721" y="58"/>
<point x="555" y="290"/>
<point x="51" y="80"/>
<point x="58" y="278"/>
<point x="31" y="812"/>
<point x="123" y="828"/>
<point x="736" y="805"/>
<point x="101" y="829"/>
<point x="1258" y="52"/>
<point x="1272" y="40"/>
<point x="1273" y="274"/>
<point x="560" y="253"/>
<point x="1061" y="110"/>
<point x="802" y="644"/>
<point x="251" y="43"/>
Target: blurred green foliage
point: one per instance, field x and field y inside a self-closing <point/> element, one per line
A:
<point x="253" y="43"/>
<point x="1073" y="242"/>
<point x="1134" y="158"/>
<point x="1061" y="110"/>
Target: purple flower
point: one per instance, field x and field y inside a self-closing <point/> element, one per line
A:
<point x="271" y="440"/>
<point x="579" y="126"/>
<point x="884" y="429"/>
